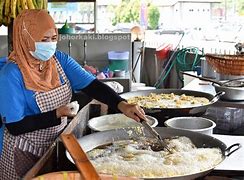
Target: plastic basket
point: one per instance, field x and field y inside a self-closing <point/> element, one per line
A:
<point x="227" y="64"/>
<point x="75" y="175"/>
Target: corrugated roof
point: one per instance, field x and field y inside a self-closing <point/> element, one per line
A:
<point x="205" y="1"/>
<point x="157" y="2"/>
<point x="108" y="2"/>
<point x="173" y="2"/>
<point x="164" y="3"/>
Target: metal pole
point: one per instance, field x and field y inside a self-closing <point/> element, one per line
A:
<point x="159" y="81"/>
<point x="225" y="10"/>
<point x="85" y="51"/>
<point x="70" y="45"/>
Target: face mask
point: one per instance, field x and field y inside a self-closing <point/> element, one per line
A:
<point x="44" y="50"/>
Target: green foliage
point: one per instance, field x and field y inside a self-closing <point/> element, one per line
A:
<point x="241" y="7"/>
<point x="153" y="16"/>
<point x="230" y="3"/>
<point x="127" y="11"/>
<point x="59" y="5"/>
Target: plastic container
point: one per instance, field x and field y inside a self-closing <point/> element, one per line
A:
<point x="75" y="175"/>
<point x="162" y="51"/>
<point x="119" y="73"/>
<point x="118" y="60"/>
<point x="207" y="70"/>
<point x="66" y="30"/>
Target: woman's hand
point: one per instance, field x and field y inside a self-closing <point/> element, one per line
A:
<point x="131" y="110"/>
<point x="69" y="110"/>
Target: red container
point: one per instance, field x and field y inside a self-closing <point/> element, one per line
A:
<point x="162" y="51"/>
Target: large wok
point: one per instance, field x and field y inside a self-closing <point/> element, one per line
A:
<point x="92" y="141"/>
<point x="164" y="113"/>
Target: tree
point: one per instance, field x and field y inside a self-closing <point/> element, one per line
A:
<point x="241" y="7"/>
<point x="237" y="4"/>
<point x="127" y="11"/>
<point x="153" y="16"/>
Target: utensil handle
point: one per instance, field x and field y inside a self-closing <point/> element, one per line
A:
<point x="149" y="128"/>
<point x="217" y="97"/>
<point x="231" y="80"/>
<point x="228" y="151"/>
<point x="202" y="78"/>
<point x="80" y="158"/>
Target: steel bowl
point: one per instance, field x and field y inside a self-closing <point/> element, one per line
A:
<point x="117" y="121"/>
<point x="196" y="124"/>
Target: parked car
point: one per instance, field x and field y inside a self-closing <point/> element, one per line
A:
<point x="123" y="27"/>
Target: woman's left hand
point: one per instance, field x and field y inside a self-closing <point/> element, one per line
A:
<point x="131" y="110"/>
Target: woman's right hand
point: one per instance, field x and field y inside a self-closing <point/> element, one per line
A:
<point x="69" y="110"/>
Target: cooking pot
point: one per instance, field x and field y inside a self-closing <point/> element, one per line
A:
<point x="234" y="88"/>
<point x="94" y="140"/>
<point x="164" y="113"/>
<point x="231" y="93"/>
<point x="196" y="124"/>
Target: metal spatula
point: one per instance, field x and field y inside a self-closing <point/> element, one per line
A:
<point x="160" y="145"/>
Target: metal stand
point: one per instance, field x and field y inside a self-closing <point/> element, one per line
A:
<point x="159" y="81"/>
<point x="85" y="52"/>
<point x="70" y="46"/>
<point x="137" y="61"/>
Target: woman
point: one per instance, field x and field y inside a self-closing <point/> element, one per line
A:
<point x="36" y="87"/>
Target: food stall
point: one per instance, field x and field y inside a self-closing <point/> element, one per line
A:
<point x="231" y="167"/>
<point x="94" y="51"/>
<point x="56" y="160"/>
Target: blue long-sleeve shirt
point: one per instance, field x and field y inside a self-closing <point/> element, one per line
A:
<point x="16" y="101"/>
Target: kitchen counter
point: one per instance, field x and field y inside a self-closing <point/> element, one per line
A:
<point x="235" y="162"/>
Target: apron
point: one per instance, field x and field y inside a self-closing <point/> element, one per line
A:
<point x="20" y="153"/>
